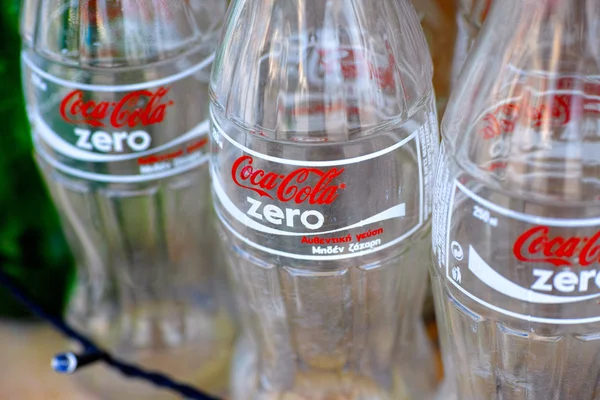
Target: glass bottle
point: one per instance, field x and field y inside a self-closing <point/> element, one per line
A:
<point x="324" y="142"/>
<point x="517" y="211"/>
<point x="117" y="95"/>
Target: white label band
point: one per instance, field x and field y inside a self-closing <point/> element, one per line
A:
<point x="106" y="178"/>
<point x="319" y="258"/>
<point x="119" y="133"/>
<point x="546" y="254"/>
<point x="305" y="163"/>
<point x="321" y="210"/>
<point x="117" y="88"/>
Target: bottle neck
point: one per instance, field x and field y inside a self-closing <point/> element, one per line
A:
<point x="304" y="13"/>
<point x="529" y="92"/>
<point x="557" y="36"/>
<point x="546" y="19"/>
<point x="474" y="11"/>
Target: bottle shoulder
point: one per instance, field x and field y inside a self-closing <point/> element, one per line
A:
<point x="421" y="121"/>
<point x="501" y="187"/>
<point x="325" y="77"/>
<point x="109" y="36"/>
<point x="192" y="62"/>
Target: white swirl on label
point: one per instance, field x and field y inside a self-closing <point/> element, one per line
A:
<point x="318" y="257"/>
<point x="493" y="279"/>
<point x="57" y="143"/>
<point x="398" y="211"/>
<point x="92" y="176"/>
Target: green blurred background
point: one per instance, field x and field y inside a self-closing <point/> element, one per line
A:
<point x="33" y="249"/>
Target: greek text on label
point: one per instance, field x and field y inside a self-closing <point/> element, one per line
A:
<point x="353" y="247"/>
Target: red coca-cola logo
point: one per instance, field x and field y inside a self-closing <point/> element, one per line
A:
<point x="125" y="113"/>
<point x="536" y="245"/>
<point x="352" y="63"/>
<point x="556" y="112"/>
<point x="292" y="186"/>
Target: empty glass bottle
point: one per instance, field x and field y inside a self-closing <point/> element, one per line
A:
<point x="517" y="210"/>
<point x="118" y="101"/>
<point x="324" y="143"/>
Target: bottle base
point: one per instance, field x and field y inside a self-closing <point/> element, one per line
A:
<point x="201" y="364"/>
<point x="316" y="384"/>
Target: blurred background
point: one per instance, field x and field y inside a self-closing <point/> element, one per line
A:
<point x="33" y="249"/>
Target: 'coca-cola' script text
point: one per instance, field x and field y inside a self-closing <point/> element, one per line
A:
<point x="138" y="108"/>
<point x="537" y="246"/>
<point x="291" y="186"/>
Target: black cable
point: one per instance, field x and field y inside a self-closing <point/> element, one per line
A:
<point x="129" y="370"/>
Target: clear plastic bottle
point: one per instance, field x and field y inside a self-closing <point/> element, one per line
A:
<point x="517" y="213"/>
<point x="324" y="141"/>
<point x="117" y="96"/>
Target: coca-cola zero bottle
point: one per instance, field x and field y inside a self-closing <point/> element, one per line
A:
<point x="324" y="142"/>
<point x="117" y="97"/>
<point x="517" y="212"/>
